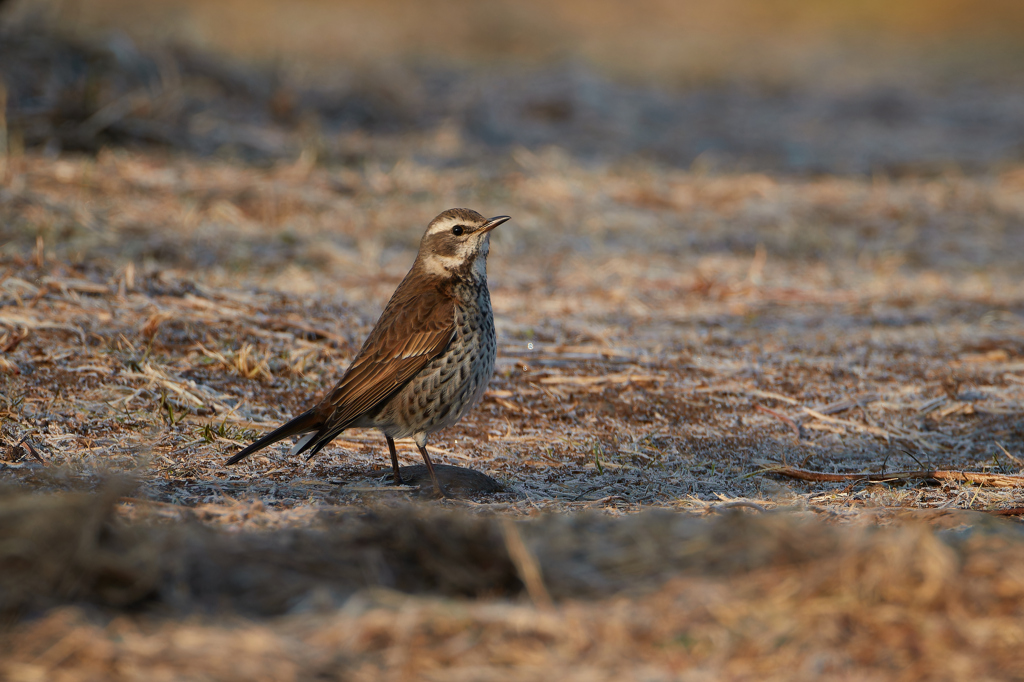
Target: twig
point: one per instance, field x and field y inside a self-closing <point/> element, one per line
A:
<point x="909" y="454"/>
<point x="31" y="449"/>
<point x="994" y="480"/>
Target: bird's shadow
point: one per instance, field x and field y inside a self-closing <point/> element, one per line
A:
<point x="457" y="481"/>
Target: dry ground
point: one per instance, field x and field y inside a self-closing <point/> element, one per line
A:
<point x="670" y="332"/>
<point x="661" y="333"/>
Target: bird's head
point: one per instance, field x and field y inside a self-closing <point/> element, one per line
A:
<point x="456" y="243"/>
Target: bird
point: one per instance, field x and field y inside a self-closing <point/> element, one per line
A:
<point x="428" y="359"/>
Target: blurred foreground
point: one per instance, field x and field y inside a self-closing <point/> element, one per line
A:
<point x="651" y="597"/>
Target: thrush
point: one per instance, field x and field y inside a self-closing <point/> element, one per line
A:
<point x="428" y="358"/>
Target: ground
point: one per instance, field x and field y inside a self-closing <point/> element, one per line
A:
<point x="671" y="335"/>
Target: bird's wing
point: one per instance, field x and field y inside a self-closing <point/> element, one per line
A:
<point x="415" y="327"/>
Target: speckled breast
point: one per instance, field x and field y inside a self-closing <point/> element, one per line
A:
<point x="451" y="384"/>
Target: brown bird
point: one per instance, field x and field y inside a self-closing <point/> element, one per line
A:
<point x="429" y="357"/>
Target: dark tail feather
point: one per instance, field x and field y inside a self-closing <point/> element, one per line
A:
<point x="307" y="421"/>
<point x="315" y="443"/>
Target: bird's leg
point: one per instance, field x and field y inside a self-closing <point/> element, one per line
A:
<point x="430" y="467"/>
<point x="394" y="460"/>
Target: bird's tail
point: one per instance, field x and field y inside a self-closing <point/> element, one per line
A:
<point x="304" y="423"/>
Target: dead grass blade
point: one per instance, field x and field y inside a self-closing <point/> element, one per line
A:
<point x="778" y="415"/>
<point x="755" y="392"/>
<point x="526" y="565"/>
<point x="863" y="428"/>
<point x="621" y="378"/>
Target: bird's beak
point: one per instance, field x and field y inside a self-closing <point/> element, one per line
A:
<point x="493" y="223"/>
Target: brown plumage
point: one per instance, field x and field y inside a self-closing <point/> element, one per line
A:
<point x="428" y="358"/>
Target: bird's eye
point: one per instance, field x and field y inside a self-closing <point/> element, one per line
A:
<point x="458" y="230"/>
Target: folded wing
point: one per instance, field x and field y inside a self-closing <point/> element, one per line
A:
<point x="409" y="334"/>
<point x="416" y="326"/>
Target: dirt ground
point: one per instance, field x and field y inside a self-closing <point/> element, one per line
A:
<point x="680" y="315"/>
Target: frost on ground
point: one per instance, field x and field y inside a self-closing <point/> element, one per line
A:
<point x="663" y="336"/>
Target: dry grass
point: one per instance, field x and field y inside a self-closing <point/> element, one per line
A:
<point x="654" y="596"/>
<point x="668" y="333"/>
<point x="649" y="365"/>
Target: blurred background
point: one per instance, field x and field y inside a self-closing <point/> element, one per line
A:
<point x="797" y="86"/>
<point x="681" y="42"/>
